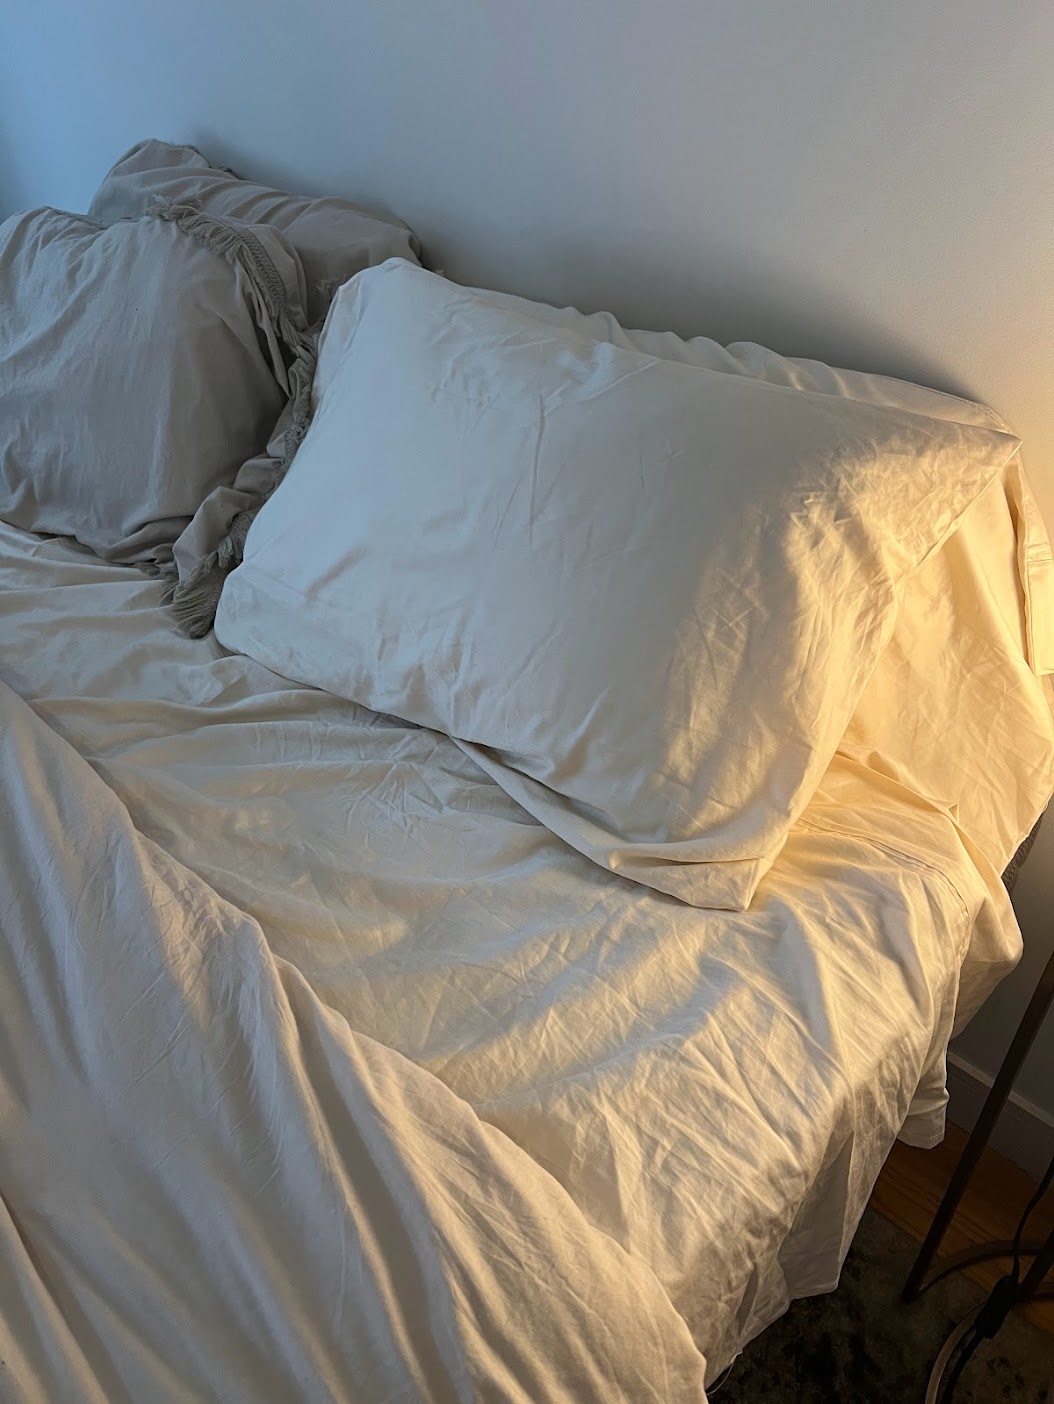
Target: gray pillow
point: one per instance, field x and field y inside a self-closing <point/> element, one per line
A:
<point x="333" y="237"/>
<point x="141" y="365"/>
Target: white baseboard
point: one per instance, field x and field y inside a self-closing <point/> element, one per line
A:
<point x="1024" y="1132"/>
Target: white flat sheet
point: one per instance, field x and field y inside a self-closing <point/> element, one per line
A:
<point x="716" y="1091"/>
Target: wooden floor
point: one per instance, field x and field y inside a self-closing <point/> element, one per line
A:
<point x="913" y="1182"/>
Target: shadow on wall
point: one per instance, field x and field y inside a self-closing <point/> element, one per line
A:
<point x="786" y="313"/>
<point x="8" y="175"/>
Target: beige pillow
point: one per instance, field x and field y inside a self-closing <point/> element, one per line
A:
<point x="644" y="596"/>
<point x="332" y="237"/>
<point x="140" y="366"/>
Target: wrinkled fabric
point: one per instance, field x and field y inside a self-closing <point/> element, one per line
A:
<point x="211" y="1188"/>
<point x="958" y="708"/>
<point x="646" y="596"/>
<point x="333" y="238"/>
<point x="715" y="1091"/>
<point x="954" y="710"/>
<point x="138" y="370"/>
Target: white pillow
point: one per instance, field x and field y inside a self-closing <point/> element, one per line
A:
<point x="955" y="708"/>
<point x="747" y="358"/>
<point x="647" y="596"/>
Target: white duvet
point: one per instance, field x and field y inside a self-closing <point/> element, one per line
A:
<point x="211" y="1188"/>
<point x="322" y="1057"/>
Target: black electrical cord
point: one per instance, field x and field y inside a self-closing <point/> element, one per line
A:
<point x="1001" y="1300"/>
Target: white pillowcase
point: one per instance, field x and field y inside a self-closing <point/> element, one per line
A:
<point x="956" y="709"/>
<point x="645" y="595"/>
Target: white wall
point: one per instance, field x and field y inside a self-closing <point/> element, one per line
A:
<point x="868" y="183"/>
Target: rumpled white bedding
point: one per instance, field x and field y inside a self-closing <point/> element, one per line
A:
<point x="211" y="1188"/>
<point x="715" y="1091"/>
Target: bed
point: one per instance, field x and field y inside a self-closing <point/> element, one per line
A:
<point x="331" y="1071"/>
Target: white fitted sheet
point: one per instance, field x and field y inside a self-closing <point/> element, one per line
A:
<point x="716" y="1091"/>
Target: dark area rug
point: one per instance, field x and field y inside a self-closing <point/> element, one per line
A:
<point x="862" y="1344"/>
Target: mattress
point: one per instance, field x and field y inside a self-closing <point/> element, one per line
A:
<point x="715" y="1091"/>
